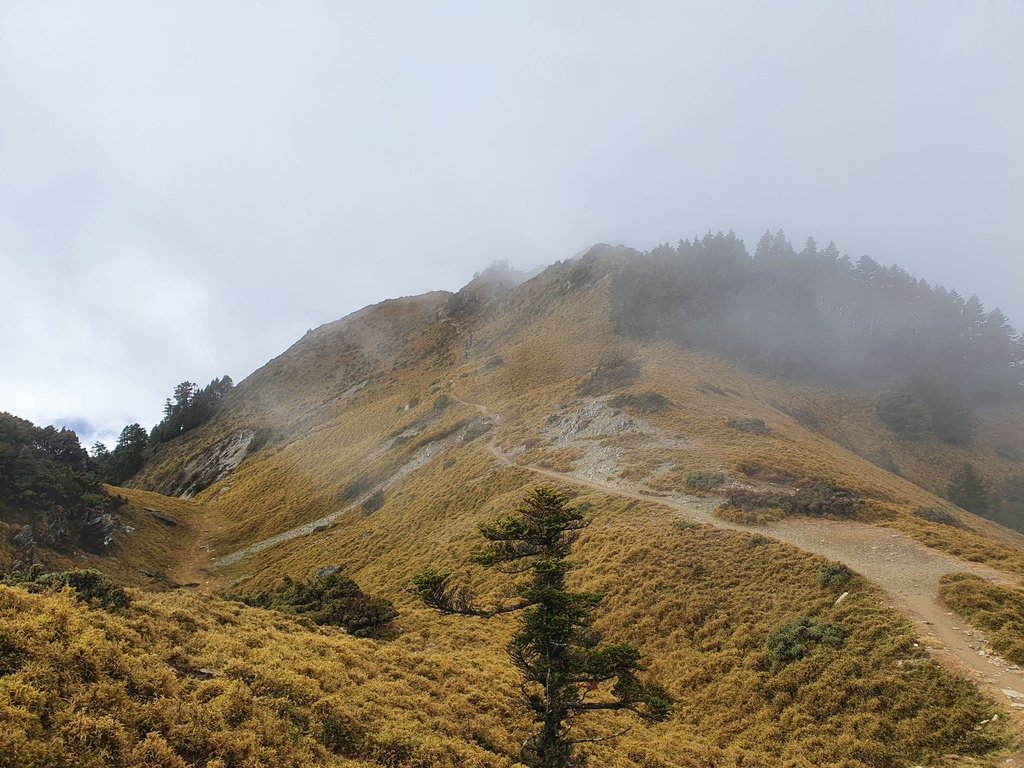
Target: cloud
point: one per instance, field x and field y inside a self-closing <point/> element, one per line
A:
<point x="186" y="188"/>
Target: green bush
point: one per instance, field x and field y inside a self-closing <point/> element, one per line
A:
<point x="645" y="402"/>
<point x="753" y="426"/>
<point x="834" y="574"/>
<point x="374" y="502"/>
<point x="91" y="587"/>
<point x="330" y="598"/>
<point x="794" y="640"/>
<point x="357" y="488"/>
<point x="475" y="429"/>
<point x="612" y="374"/>
<point x="935" y="515"/>
<point x="822" y="500"/>
<point x="745" y="498"/>
<point x="701" y="480"/>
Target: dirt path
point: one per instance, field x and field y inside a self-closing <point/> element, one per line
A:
<point x="193" y="570"/>
<point x="906" y="569"/>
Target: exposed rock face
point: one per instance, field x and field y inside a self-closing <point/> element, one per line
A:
<point x="211" y="465"/>
<point x="98" y="531"/>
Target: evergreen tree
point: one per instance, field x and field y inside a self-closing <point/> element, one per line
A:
<point x="191" y="407"/>
<point x="127" y="457"/>
<point x="556" y="650"/>
<point x="967" y="490"/>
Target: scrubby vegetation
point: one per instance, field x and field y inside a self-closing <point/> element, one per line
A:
<point x="753" y="426"/>
<point x="834" y="575"/>
<point x="330" y="598"/>
<point x="643" y="402"/>
<point x="935" y="515"/>
<point x="793" y="641"/>
<point x="703" y="480"/>
<point x="744" y="505"/>
<point x="89" y="586"/>
<point x="609" y="375"/>
<point x="822" y="500"/>
<point x="184" y="681"/>
<point x="815" y="500"/>
<point x="999" y="611"/>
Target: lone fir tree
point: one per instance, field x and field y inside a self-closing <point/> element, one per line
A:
<point x="968" y="490"/>
<point x="567" y="671"/>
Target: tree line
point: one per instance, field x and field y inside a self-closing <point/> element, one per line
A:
<point x="189" y="407"/>
<point x="817" y="316"/>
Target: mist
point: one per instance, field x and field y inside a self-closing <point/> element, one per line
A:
<point x="186" y="189"/>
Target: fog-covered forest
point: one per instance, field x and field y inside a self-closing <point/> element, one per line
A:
<point x="818" y="316"/>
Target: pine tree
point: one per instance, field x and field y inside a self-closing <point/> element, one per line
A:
<point x="556" y="650"/>
<point x="967" y="490"/>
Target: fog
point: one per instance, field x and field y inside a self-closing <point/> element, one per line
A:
<point x="186" y="188"/>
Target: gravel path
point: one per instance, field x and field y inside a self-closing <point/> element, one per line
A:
<point x="906" y="569"/>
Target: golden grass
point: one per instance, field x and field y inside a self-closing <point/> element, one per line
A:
<point x="183" y="679"/>
<point x="999" y="611"/>
<point x="700" y="603"/>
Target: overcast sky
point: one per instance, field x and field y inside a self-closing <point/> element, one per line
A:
<point x="185" y="188"/>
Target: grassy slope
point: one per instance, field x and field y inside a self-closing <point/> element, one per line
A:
<point x="700" y="603"/>
<point x="997" y="610"/>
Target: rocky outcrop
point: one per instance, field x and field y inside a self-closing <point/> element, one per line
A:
<point x="211" y="465"/>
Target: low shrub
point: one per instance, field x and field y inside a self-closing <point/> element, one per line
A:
<point x="710" y="389"/>
<point x="767" y="474"/>
<point x="752" y="426"/>
<point x="374" y="502"/>
<point x="91" y="587"/>
<point x="749" y="507"/>
<point x="746" y="498"/>
<point x="702" y="480"/>
<point x="834" y="574"/>
<point x="476" y="429"/>
<point x="357" y="488"/>
<point x="794" y="640"/>
<point x="612" y="374"/>
<point x="997" y="610"/>
<point x="330" y="598"/>
<point x="822" y="500"/>
<point x="644" y="402"/>
<point x="936" y="515"/>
